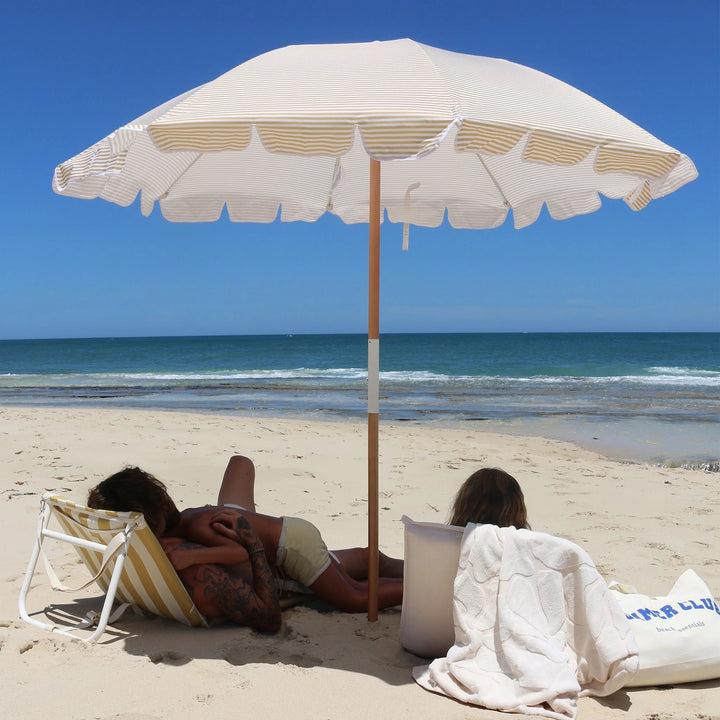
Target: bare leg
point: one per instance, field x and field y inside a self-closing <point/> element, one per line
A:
<point x="338" y="588"/>
<point x="238" y="483"/>
<point x="354" y="562"/>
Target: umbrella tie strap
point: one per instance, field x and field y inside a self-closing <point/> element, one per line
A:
<point x="406" y="225"/>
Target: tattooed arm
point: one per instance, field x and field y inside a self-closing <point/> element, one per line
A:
<point x="245" y="598"/>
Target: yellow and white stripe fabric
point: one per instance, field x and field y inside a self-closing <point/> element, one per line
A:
<point x="290" y="132"/>
<point x="148" y="579"/>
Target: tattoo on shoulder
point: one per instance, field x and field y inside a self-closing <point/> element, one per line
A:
<point x="188" y="545"/>
<point x="232" y="595"/>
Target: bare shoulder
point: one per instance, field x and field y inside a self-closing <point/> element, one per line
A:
<point x="171" y="542"/>
<point x="188" y="513"/>
<point x="190" y="516"/>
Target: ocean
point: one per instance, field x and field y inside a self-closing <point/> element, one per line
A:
<point x="648" y="397"/>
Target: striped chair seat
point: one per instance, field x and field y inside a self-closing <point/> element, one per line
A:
<point x="124" y="558"/>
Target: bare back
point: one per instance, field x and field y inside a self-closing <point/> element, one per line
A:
<point x="227" y="578"/>
<point x="193" y="526"/>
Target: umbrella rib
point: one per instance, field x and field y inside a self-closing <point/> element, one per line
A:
<point x="179" y="178"/>
<point x="506" y="202"/>
<point x="333" y="184"/>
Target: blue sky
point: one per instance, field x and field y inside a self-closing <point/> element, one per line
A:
<point x="74" y="71"/>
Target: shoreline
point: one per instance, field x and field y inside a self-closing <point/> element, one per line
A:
<point x="647" y="441"/>
<point x="640" y="524"/>
<point x="77" y="447"/>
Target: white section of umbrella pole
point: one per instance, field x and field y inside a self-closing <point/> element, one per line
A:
<point x="373" y="389"/>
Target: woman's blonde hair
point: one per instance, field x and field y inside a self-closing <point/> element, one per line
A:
<point x="490" y="496"/>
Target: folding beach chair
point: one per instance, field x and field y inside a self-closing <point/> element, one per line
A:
<point x="124" y="558"/>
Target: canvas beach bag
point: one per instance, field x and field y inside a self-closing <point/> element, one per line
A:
<point x="678" y="635"/>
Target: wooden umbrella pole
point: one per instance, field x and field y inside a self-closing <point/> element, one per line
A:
<point x="373" y="390"/>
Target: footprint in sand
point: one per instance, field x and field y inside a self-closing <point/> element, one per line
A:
<point x="169" y="657"/>
<point x="131" y="716"/>
<point x="302" y="661"/>
<point x="243" y="655"/>
<point x="247" y="654"/>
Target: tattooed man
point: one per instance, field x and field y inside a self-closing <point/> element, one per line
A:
<point x="229" y="556"/>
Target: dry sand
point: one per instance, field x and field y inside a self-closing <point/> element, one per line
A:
<point x="643" y="525"/>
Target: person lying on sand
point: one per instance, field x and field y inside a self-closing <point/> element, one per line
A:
<point x="228" y="555"/>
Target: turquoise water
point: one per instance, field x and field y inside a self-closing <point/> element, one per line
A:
<point x="600" y="389"/>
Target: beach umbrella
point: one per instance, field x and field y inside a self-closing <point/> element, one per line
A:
<point x="368" y="130"/>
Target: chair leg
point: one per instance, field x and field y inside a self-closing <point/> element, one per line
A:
<point x="109" y="597"/>
<point x="43" y="520"/>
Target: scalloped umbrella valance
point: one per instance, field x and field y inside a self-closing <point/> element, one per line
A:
<point x="364" y="129"/>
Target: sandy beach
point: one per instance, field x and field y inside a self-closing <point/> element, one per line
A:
<point x="642" y="525"/>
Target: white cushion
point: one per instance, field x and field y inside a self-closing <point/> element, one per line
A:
<point x="432" y="552"/>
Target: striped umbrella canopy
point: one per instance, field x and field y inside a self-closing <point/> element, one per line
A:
<point x="365" y="130"/>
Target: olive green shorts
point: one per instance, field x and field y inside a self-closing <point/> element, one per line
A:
<point x="302" y="553"/>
